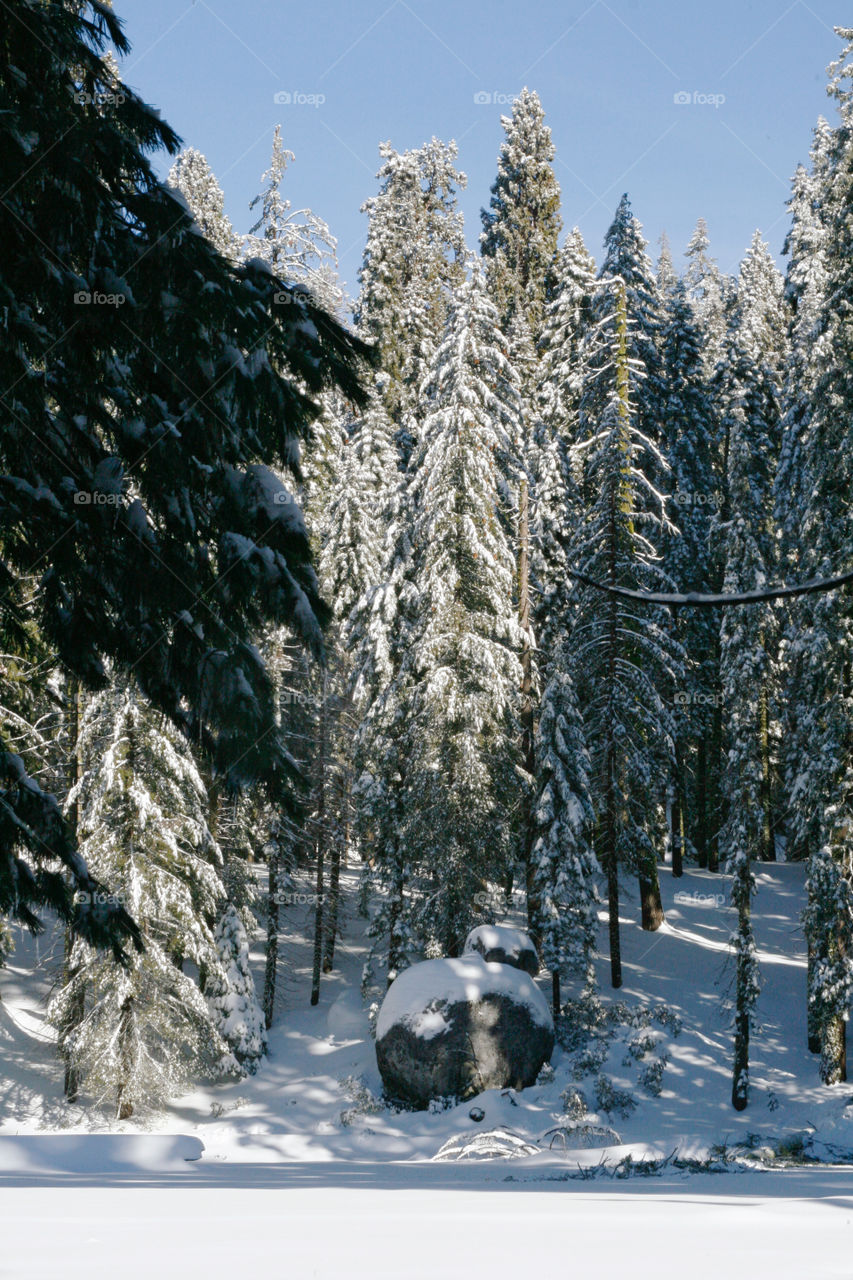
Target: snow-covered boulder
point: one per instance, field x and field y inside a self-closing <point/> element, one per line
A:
<point x="503" y="945"/>
<point x="452" y="1028"/>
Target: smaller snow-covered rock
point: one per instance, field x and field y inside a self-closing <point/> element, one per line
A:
<point x="500" y="944"/>
<point x="455" y="1027"/>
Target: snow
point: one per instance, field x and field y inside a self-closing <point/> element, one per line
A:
<point x="490" y="937"/>
<point x="415" y="997"/>
<point x="301" y="1156"/>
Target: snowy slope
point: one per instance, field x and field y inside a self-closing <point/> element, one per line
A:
<point x="317" y="1095"/>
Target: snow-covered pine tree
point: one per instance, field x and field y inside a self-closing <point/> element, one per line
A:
<point x="625" y="258"/>
<point x="750" y="381"/>
<point x="414" y="261"/>
<point x="667" y="276"/>
<point x="296" y="243"/>
<point x="805" y="291"/>
<point x="145" y="1029"/>
<point x="749" y="385"/>
<point x="708" y="291"/>
<point x="555" y="427"/>
<point x="461" y="676"/>
<point x="230" y="992"/>
<point x="148" y="509"/>
<point x="565" y="868"/>
<point x="522" y="224"/>
<point x="824" y="785"/>
<point x="193" y="177"/>
<point x="687" y="426"/>
<point x="622" y="653"/>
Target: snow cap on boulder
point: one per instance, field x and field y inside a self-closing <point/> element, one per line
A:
<point x="503" y="945"/>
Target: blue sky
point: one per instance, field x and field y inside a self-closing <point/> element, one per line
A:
<point x="607" y="72"/>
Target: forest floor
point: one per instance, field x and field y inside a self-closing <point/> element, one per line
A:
<point x="641" y="1172"/>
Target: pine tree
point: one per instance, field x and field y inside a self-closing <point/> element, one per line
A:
<point x="414" y="260"/>
<point x="625" y="258"/>
<point x="824" y="789"/>
<point x="193" y="177"/>
<point x="687" y="426"/>
<point x="169" y="382"/>
<point x="565" y="866"/>
<point x="522" y="223"/>
<point x="554" y="502"/>
<point x="624" y="659"/>
<point x="146" y="1028"/>
<point x="707" y="291"/>
<point x="230" y="992"/>
<point x="750" y="396"/>
<point x="458" y="685"/>
<point x="296" y="243"/>
<point x="805" y="291"/>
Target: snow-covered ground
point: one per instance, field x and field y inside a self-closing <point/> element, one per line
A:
<point x="302" y="1163"/>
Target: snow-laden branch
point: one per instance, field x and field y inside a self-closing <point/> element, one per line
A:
<point x="700" y="600"/>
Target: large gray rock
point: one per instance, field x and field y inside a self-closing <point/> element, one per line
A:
<point x="452" y="1028"/>
<point x="503" y="945"/>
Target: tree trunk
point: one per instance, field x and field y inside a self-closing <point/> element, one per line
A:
<point x="124" y="1108"/>
<point x="651" y="905"/>
<point x="702" y="799"/>
<point x="77" y="1007"/>
<point x="395" y="941"/>
<point x="273" y="919"/>
<point x="715" y="772"/>
<point x="527" y="710"/>
<point x="677" y="823"/>
<point x="812" y="1020"/>
<point x="768" y="843"/>
<point x="334" y="899"/>
<point x="320" y="843"/>
<point x="833" y="1041"/>
<point x="742" y="892"/>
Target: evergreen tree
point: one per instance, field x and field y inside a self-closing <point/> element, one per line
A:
<point x="168" y="381"/>
<point x="230" y="992"/>
<point x="296" y="243"/>
<point x="414" y="260"/>
<point x="145" y="1029"/>
<point x="805" y="291"/>
<point x="707" y="291"/>
<point x="687" y="427"/>
<point x="193" y="177"/>
<point x="522" y="224"/>
<point x="750" y="397"/>
<point x="625" y="258"/>
<point x="555" y="429"/>
<point x="565" y="866"/>
<point x="625" y="659"/>
<point x="823" y="791"/>
<point x="458" y="685"/>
